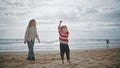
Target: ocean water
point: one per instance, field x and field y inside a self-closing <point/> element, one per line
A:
<point x="7" y="45"/>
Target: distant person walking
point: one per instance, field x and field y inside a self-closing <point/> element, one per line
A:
<point x="63" y="39"/>
<point x="107" y="43"/>
<point x="30" y="35"/>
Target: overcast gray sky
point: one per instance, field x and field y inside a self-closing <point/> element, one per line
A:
<point x="85" y="18"/>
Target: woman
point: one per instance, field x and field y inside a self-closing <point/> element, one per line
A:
<point x="30" y="35"/>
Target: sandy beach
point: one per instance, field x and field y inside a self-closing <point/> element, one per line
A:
<point x="95" y="58"/>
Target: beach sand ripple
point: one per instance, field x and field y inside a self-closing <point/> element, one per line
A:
<point x="101" y="58"/>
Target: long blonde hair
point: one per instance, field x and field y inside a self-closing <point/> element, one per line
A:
<point x="30" y="23"/>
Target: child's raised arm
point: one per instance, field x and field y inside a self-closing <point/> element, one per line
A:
<point x="59" y="26"/>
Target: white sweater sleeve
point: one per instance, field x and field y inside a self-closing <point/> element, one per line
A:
<point x="37" y="36"/>
<point x="26" y="34"/>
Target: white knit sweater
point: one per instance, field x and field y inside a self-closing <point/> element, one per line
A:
<point x="31" y="34"/>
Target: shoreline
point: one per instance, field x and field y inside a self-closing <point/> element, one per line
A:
<point x="55" y="51"/>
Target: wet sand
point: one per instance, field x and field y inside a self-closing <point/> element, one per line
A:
<point x="95" y="58"/>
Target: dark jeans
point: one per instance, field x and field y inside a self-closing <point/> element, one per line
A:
<point x="64" y="48"/>
<point x="30" y="48"/>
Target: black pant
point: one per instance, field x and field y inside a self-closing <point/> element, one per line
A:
<point x="64" y="48"/>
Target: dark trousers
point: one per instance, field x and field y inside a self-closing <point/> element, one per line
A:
<point x="64" y="48"/>
<point x="30" y="48"/>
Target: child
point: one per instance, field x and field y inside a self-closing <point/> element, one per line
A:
<point x="63" y="39"/>
<point x="30" y="35"/>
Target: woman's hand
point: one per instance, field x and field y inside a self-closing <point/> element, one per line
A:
<point x="38" y="41"/>
<point x="24" y="42"/>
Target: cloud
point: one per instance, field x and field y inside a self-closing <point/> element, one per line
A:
<point x="72" y="10"/>
<point x="79" y="15"/>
